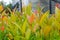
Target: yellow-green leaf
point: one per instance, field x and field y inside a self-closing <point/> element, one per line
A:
<point x="44" y="17"/>
<point x="27" y="34"/>
<point x="24" y="26"/>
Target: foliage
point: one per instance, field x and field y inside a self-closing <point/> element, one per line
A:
<point x="29" y="25"/>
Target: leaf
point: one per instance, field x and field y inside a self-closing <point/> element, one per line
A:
<point x="17" y="38"/>
<point x="14" y="9"/>
<point x="5" y="38"/>
<point x="57" y="24"/>
<point x="44" y="18"/>
<point x="31" y="18"/>
<point x="27" y="34"/>
<point x="51" y="20"/>
<point x="46" y="30"/>
<point x="24" y="26"/>
<point x="16" y="25"/>
<point x="1" y="35"/>
<point x="57" y="14"/>
<point x="9" y="10"/>
<point x="1" y="8"/>
<point x="3" y="13"/>
<point x="28" y="9"/>
<point x="13" y="17"/>
<point x="5" y="19"/>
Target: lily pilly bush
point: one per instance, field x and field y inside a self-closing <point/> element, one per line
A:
<point x="29" y="25"/>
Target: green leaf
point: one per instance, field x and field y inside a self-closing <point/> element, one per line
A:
<point x="5" y="38"/>
<point x="27" y="34"/>
<point x="24" y="26"/>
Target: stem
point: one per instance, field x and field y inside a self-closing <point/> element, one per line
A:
<point x="21" y="5"/>
<point x="50" y="7"/>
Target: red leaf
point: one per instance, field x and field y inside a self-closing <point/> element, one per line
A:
<point x="2" y="28"/>
<point x="35" y="11"/>
<point x="58" y="5"/>
<point x="31" y="18"/>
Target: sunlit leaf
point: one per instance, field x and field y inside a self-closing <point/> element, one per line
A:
<point x="43" y="18"/>
<point x="24" y="26"/>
